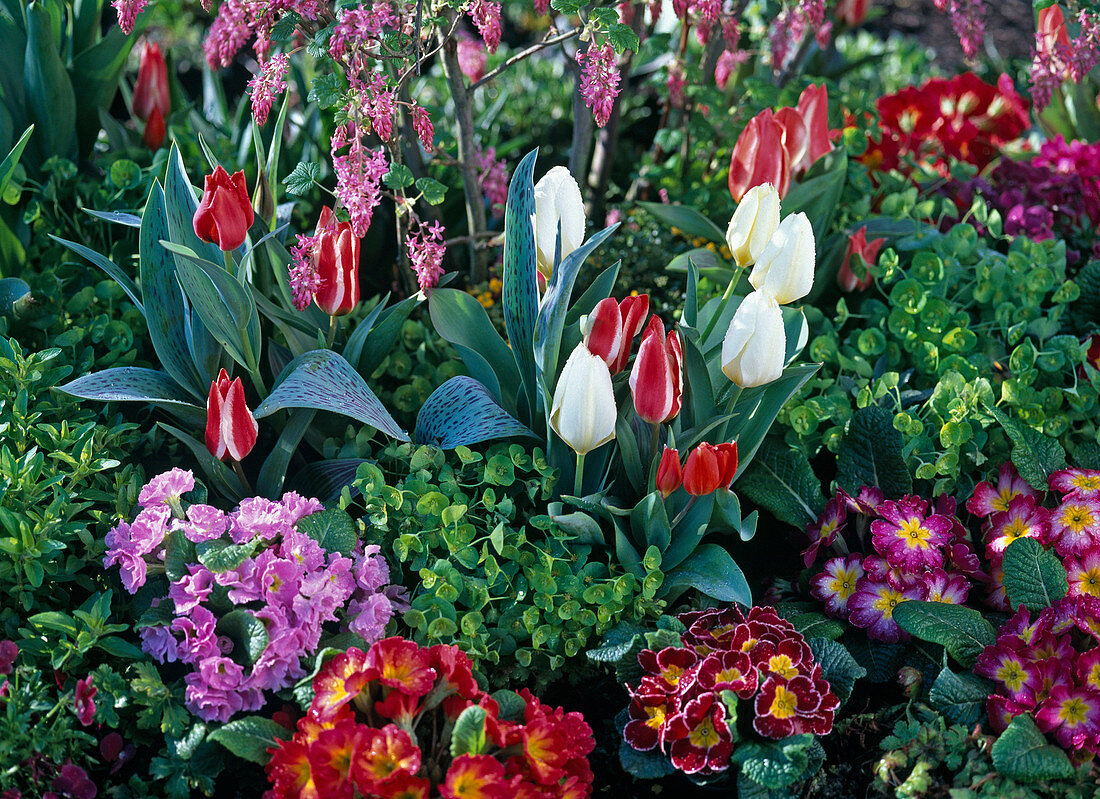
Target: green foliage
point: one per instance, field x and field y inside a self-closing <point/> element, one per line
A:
<point x="777" y="764"/>
<point x="871" y="455"/>
<point x="962" y="631"/>
<point x="952" y="327"/>
<point x="249" y="737"/>
<point x="1033" y="577"/>
<point x="1022" y="753"/>
<point x="486" y="568"/>
<point x="782" y="481"/>
<point x="61" y="475"/>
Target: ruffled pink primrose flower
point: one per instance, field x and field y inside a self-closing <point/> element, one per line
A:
<point x="1075" y="525"/>
<point x="677" y="704"/>
<point x="1045" y="668"/>
<point x="1024" y="518"/>
<point x="988" y="499"/>
<point x="908" y="537"/>
<point x="837" y="584"/>
<point x="287" y="581"/>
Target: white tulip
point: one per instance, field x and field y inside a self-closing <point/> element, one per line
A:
<point x="755" y="345"/>
<point x="785" y="269"/>
<point x="753" y="223"/>
<point x="583" y="413"/>
<point x="557" y="200"/>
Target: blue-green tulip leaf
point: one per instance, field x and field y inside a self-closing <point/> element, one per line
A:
<point x="323" y="380"/>
<point x="462" y="412"/>
<point x="520" y="291"/>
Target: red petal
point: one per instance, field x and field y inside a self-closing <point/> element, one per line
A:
<point x="238" y="426"/>
<point x="605" y="335"/>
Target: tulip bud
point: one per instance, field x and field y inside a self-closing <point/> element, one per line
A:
<point x="151" y="89"/>
<point x="710" y="467"/>
<point x="813" y="105"/>
<point x="633" y="310"/>
<point x="602" y="330"/>
<point x="155" y="130"/>
<point x="225" y="213"/>
<point x="759" y="157"/>
<point x="867" y="251"/>
<point x="231" y="429"/>
<point x="852" y="12"/>
<point x="583" y="412"/>
<point x="656" y="381"/>
<point x="336" y="262"/>
<point x="557" y="202"/>
<point x="796" y="136"/>
<point x="785" y="269"/>
<point x="669" y="472"/>
<point x="753" y="223"/>
<point x="754" y="349"/>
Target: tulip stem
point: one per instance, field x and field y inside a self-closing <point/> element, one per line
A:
<point x="578" y="480"/>
<point x="683" y="512"/>
<point x="230" y="267"/>
<point x="654" y="440"/>
<point x="240" y="476"/>
<point x="721" y="305"/>
<point x="331" y="332"/>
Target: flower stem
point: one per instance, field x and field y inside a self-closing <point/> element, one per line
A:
<point x="721" y="305"/>
<point x="230" y="266"/>
<point x="331" y="332"/>
<point x="578" y="479"/>
<point x="683" y="513"/>
<point x="241" y="476"/>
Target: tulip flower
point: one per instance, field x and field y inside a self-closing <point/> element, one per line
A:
<point x="710" y="467"/>
<point x="335" y="260"/>
<point x="657" y="381"/>
<point x="753" y="223"/>
<point x="796" y="135"/>
<point x="852" y="12"/>
<point x="583" y="411"/>
<point x="610" y="329"/>
<point x="755" y="346"/>
<point x="225" y="213"/>
<point x="155" y="130"/>
<point x="813" y="105"/>
<point x="151" y="89"/>
<point x="1052" y="36"/>
<point x="231" y="429"/>
<point x="759" y="157"/>
<point x="557" y="203"/>
<point x="670" y="475"/>
<point x="867" y="251"/>
<point x="785" y="269"/>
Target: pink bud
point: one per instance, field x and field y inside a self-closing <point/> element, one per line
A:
<point x="231" y="429"/>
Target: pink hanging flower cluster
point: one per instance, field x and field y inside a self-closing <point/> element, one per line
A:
<point x="493" y="178"/>
<point x="1057" y="59"/>
<point x="426" y="250"/>
<point x="968" y="22"/>
<point x="252" y="564"/>
<point x="918" y="552"/>
<point x="304" y="280"/>
<point x="791" y="26"/>
<point x="359" y="175"/>
<point x="267" y="85"/>
<point x="1049" y="669"/>
<point x="677" y="705"/>
<point x="241" y="21"/>
<point x="128" y="11"/>
<point x="486" y="17"/>
<point x="599" y="80"/>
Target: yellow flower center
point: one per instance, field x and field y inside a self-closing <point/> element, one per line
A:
<point x="672" y="674"/>
<point x="704" y="736"/>
<point x="782" y="665"/>
<point x="1013" y="530"/>
<point x="1004" y="496"/>
<point x="887" y="600"/>
<point x="785" y="703"/>
<point x="1076" y="518"/>
<point x="1073" y="712"/>
<point x="1089" y="482"/>
<point x="914" y="534"/>
<point x="656" y="716"/>
<point x="1090" y="582"/>
<point x="1012" y="675"/>
<point x="844" y="586"/>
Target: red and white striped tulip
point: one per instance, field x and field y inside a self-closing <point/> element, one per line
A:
<point x="657" y="380"/>
<point x="336" y="262"/>
<point x="813" y="105"/>
<point x="231" y="429"/>
<point x="610" y="329"/>
<point x="760" y="157"/>
<point x="867" y="251"/>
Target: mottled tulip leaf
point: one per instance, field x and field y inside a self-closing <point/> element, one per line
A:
<point x="131" y="384"/>
<point x="165" y="307"/>
<point x="460" y="319"/>
<point x="219" y="310"/>
<point x="520" y="292"/>
<point x="462" y="412"/>
<point x="116" y="217"/>
<point x="323" y="380"/>
<point x="555" y="305"/>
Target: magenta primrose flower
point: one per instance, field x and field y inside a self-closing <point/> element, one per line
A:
<point x="1024" y="518"/>
<point x="1075" y="525"/>
<point x="987" y="500"/>
<point x="872" y="608"/>
<point x="1082" y="482"/>
<point x="836" y="585"/>
<point x="909" y="538"/>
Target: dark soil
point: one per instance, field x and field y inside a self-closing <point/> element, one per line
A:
<point x="1009" y="29"/>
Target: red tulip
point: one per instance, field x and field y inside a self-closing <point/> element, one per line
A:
<point x="336" y="262"/>
<point x="603" y="330"/>
<point x="155" y="131"/>
<point x="796" y="136"/>
<point x="1053" y="37"/>
<point x="610" y="329"/>
<point x="657" y="381"/>
<point x="151" y="89"/>
<point x="670" y="475"/>
<point x="813" y="104"/>
<point x="867" y="250"/>
<point x="852" y="12"/>
<point x="225" y="213"/>
<point x="710" y="467"/>
<point x="231" y="429"/>
<point x="759" y="157"/>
